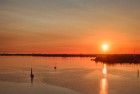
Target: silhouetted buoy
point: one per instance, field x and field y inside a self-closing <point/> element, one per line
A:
<point x="138" y="73"/>
<point x="55" y="67"/>
<point x="31" y="76"/>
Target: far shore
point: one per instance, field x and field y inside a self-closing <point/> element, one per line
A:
<point x="69" y="55"/>
<point x="52" y="55"/>
<point x="106" y="58"/>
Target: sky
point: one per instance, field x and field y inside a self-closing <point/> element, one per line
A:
<point x="69" y="26"/>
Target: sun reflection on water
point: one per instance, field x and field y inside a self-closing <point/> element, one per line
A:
<point x="103" y="81"/>
<point x="104" y="70"/>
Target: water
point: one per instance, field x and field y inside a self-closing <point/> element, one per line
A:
<point x="78" y="74"/>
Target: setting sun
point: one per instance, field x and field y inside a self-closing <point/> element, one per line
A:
<point x="105" y="47"/>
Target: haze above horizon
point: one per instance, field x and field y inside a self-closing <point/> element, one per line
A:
<point x="69" y="26"/>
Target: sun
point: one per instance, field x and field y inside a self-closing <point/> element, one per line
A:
<point x="105" y="47"/>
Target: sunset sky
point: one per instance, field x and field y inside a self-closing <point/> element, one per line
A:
<point x="69" y="26"/>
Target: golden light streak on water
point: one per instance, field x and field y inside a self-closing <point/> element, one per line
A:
<point x="104" y="86"/>
<point x="104" y="70"/>
<point x="103" y="81"/>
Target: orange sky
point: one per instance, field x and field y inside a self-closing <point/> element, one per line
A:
<point x="69" y="26"/>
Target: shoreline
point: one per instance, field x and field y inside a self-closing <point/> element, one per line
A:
<point x="69" y="55"/>
<point x="112" y="59"/>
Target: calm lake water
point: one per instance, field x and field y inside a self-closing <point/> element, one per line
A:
<point x="78" y="74"/>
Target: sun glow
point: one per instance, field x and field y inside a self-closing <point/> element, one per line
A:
<point x="105" y="47"/>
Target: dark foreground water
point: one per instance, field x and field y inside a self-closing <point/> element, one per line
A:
<point x="76" y="74"/>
